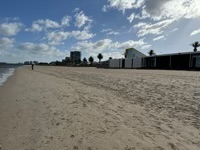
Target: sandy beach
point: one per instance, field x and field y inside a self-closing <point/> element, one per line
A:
<point x="63" y="108"/>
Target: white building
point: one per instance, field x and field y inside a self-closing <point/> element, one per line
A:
<point x="133" y="53"/>
<point x="133" y="59"/>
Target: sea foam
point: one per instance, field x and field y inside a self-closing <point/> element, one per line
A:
<point x="5" y="73"/>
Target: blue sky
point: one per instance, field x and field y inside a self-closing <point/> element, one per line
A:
<point x="48" y="30"/>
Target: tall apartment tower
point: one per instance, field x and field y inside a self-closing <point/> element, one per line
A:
<point x="75" y="56"/>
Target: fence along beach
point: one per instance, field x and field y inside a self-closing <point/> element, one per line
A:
<point x="89" y="108"/>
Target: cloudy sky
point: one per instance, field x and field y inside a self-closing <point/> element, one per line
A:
<point x="47" y="30"/>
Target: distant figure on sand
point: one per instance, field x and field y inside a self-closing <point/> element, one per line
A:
<point x="32" y="66"/>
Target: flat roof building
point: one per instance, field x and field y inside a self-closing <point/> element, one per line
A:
<point x="132" y="59"/>
<point x="178" y="61"/>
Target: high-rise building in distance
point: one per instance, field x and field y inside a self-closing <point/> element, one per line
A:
<point x="75" y="56"/>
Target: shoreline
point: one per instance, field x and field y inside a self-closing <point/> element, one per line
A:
<point x="9" y="81"/>
<point x="10" y="75"/>
<point x="89" y="108"/>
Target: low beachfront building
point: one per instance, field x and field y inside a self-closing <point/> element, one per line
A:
<point x="133" y="59"/>
<point x="177" y="61"/>
<point x="115" y="63"/>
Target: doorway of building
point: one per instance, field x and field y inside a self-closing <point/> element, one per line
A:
<point x="123" y="63"/>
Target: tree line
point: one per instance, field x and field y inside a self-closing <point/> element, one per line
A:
<point x="91" y="59"/>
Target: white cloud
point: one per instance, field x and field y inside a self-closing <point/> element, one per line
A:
<point x="122" y="5"/>
<point x="159" y="38"/>
<point x="131" y="17"/>
<point x="195" y="32"/>
<point x="139" y="3"/>
<point x="114" y="55"/>
<point x="6" y="43"/>
<point x="174" y="9"/>
<point x="112" y="33"/>
<point x="146" y="46"/>
<point x="76" y="9"/>
<point x="98" y="46"/>
<point x="156" y="28"/>
<point x="81" y="19"/>
<point x="104" y="9"/>
<point x="107" y="45"/>
<point x="128" y="44"/>
<point x="10" y="29"/>
<point x="40" y="25"/>
<point x="40" y="49"/>
<point x="106" y="55"/>
<point x="57" y="37"/>
<point x="157" y="10"/>
<point x="82" y="35"/>
<point x="66" y="21"/>
<point x="106" y="30"/>
<point x="109" y="32"/>
<point x="35" y="28"/>
<point x="49" y="23"/>
<point x="176" y="29"/>
<point x="140" y="24"/>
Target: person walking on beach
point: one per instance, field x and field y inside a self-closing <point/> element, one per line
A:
<point x="32" y="66"/>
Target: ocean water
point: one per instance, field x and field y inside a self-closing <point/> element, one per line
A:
<point x="5" y="72"/>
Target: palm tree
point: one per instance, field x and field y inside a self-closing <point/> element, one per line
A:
<point x="84" y="60"/>
<point x="100" y="56"/>
<point x="151" y="53"/>
<point x="195" y="45"/>
<point x="91" y="59"/>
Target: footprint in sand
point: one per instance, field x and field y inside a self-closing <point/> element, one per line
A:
<point x="57" y="124"/>
<point x="47" y="139"/>
<point x="173" y="146"/>
<point x="129" y="148"/>
<point x="159" y="148"/>
<point x="75" y="147"/>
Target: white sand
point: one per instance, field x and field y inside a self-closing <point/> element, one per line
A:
<point x="61" y="108"/>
